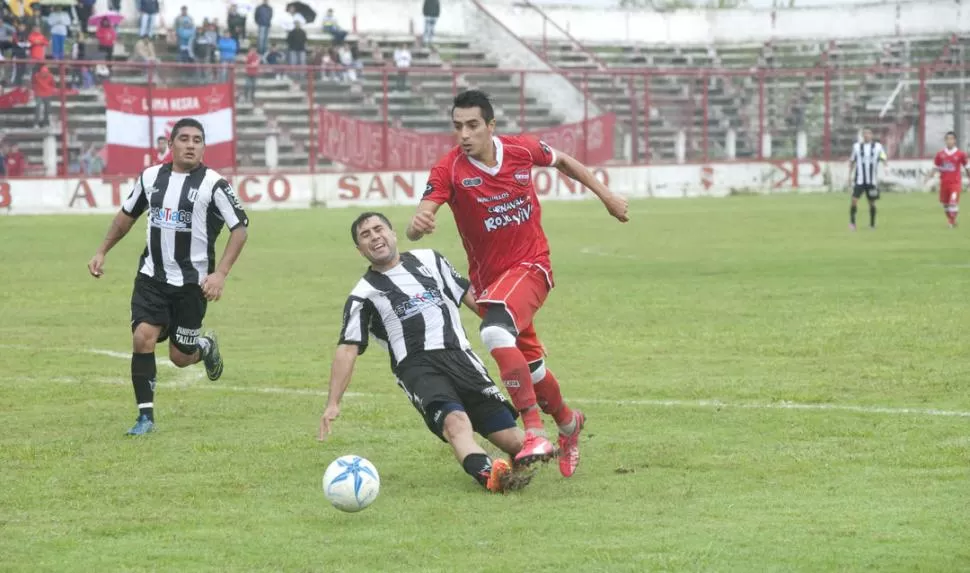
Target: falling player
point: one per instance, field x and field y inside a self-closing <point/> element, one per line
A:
<point x="948" y="162"/>
<point x="408" y="302"/>
<point x="863" y="164"/>
<point x="487" y="182"/>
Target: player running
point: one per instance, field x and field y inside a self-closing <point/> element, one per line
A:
<point x="487" y="182"/>
<point x="948" y="162"/>
<point x="187" y="205"/>
<point x="409" y="303"/>
<point x="863" y="166"/>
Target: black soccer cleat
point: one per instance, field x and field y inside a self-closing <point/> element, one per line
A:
<point x="211" y="357"/>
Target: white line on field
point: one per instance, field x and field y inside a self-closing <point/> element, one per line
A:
<point x="716" y="404"/>
<point x="600" y="253"/>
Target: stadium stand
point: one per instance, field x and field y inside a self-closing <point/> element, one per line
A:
<point x="687" y="86"/>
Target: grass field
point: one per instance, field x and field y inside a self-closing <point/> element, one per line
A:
<point x="763" y="304"/>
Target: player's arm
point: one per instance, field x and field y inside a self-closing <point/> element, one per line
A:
<point x="572" y="168"/>
<point x="423" y="222"/>
<point x="124" y="220"/>
<point x="236" y="219"/>
<point x="341" y="371"/>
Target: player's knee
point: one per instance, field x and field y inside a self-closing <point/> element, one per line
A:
<point x="181" y="357"/>
<point x="144" y="337"/>
<point x="498" y="329"/>
<point x="538" y="370"/>
<point x="456" y="425"/>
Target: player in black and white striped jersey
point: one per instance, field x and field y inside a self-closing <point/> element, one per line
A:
<point x="408" y="302"/>
<point x="863" y="173"/>
<point x="187" y="205"/>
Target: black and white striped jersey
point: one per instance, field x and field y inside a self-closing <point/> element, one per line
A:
<point x="866" y="157"/>
<point x="186" y="212"/>
<point x="408" y="309"/>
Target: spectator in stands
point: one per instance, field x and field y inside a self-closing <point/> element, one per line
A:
<point x="185" y="35"/>
<point x="59" y="22"/>
<point x="330" y="26"/>
<point x="252" y="72"/>
<point x="296" y="45"/>
<point x="228" y="48"/>
<point x="275" y="57"/>
<point x="84" y="9"/>
<point x="161" y="149"/>
<point x="328" y="67"/>
<point x="431" y="11"/>
<point x="106" y="35"/>
<point x="8" y="35"/>
<point x="149" y="12"/>
<point x="81" y="73"/>
<point x="236" y="23"/>
<point x="38" y="44"/>
<point x="19" y="53"/>
<point x="16" y="162"/>
<point x="402" y="60"/>
<point x="206" y="42"/>
<point x="114" y="5"/>
<point x="144" y="53"/>
<point x="263" y="17"/>
<point x="348" y="64"/>
<point x="44" y="87"/>
<point x="91" y="162"/>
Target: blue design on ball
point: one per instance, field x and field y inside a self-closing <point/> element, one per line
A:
<point x="352" y="468"/>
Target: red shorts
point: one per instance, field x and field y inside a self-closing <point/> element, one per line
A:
<point x="521" y="290"/>
<point x="950" y="194"/>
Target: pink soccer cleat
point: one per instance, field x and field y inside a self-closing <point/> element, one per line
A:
<point x="534" y="449"/>
<point x="569" y="447"/>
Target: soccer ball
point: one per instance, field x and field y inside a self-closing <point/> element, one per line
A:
<point x="351" y="483"/>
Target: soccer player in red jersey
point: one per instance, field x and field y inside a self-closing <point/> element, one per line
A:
<point x="948" y="163"/>
<point x="487" y="182"/>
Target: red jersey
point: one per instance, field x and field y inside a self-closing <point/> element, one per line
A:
<point x="496" y="209"/>
<point x="950" y="164"/>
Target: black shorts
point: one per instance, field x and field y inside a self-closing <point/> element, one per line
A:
<point x="870" y="191"/>
<point x="177" y="310"/>
<point x="437" y="378"/>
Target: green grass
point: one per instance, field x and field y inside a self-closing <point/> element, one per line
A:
<point x="747" y="300"/>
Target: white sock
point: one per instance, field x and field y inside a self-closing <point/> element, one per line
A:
<point x="570" y="428"/>
<point x="537" y="432"/>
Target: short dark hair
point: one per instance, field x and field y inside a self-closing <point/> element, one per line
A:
<point x="474" y="98"/>
<point x="363" y="217"/>
<point x="160" y="138"/>
<point x="949" y="133"/>
<point x="187" y="122"/>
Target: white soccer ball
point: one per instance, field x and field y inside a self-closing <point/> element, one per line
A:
<point x="351" y="483"/>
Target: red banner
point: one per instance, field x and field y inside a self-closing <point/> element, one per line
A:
<point x="133" y="122"/>
<point x="360" y="144"/>
<point x="14" y="97"/>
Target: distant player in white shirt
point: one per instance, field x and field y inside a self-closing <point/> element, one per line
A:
<point x="863" y="168"/>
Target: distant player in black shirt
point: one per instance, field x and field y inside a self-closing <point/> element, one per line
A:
<point x="187" y="205"/>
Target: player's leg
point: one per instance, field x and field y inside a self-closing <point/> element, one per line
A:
<point x="954" y="207"/>
<point x="187" y="347"/>
<point x="149" y="321"/>
<point x="509" y="305"/>
<point x="872" y="194"/>
<point x="549" y="397"/>
<point x="854" y="206"/>
<point x="427" y="384"/>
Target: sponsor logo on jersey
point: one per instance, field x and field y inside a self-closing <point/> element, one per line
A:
<point x="514" y="212"/>
<point x="428" y="189"/>
<point x="490" y="198"/>
<point x="471" y="182"/>
<point x="522" y="176"/>
<point x="416" y="303"/>
<point x="168" y="218"/>
<point x="233" y="199"/>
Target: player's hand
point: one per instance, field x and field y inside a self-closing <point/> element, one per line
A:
<point x="423" y="222"/>
<point x="617" y="205"/>
<point x="212" y="286"/>
<point x="96" y="266"/>
<point x="329" y="415"/>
